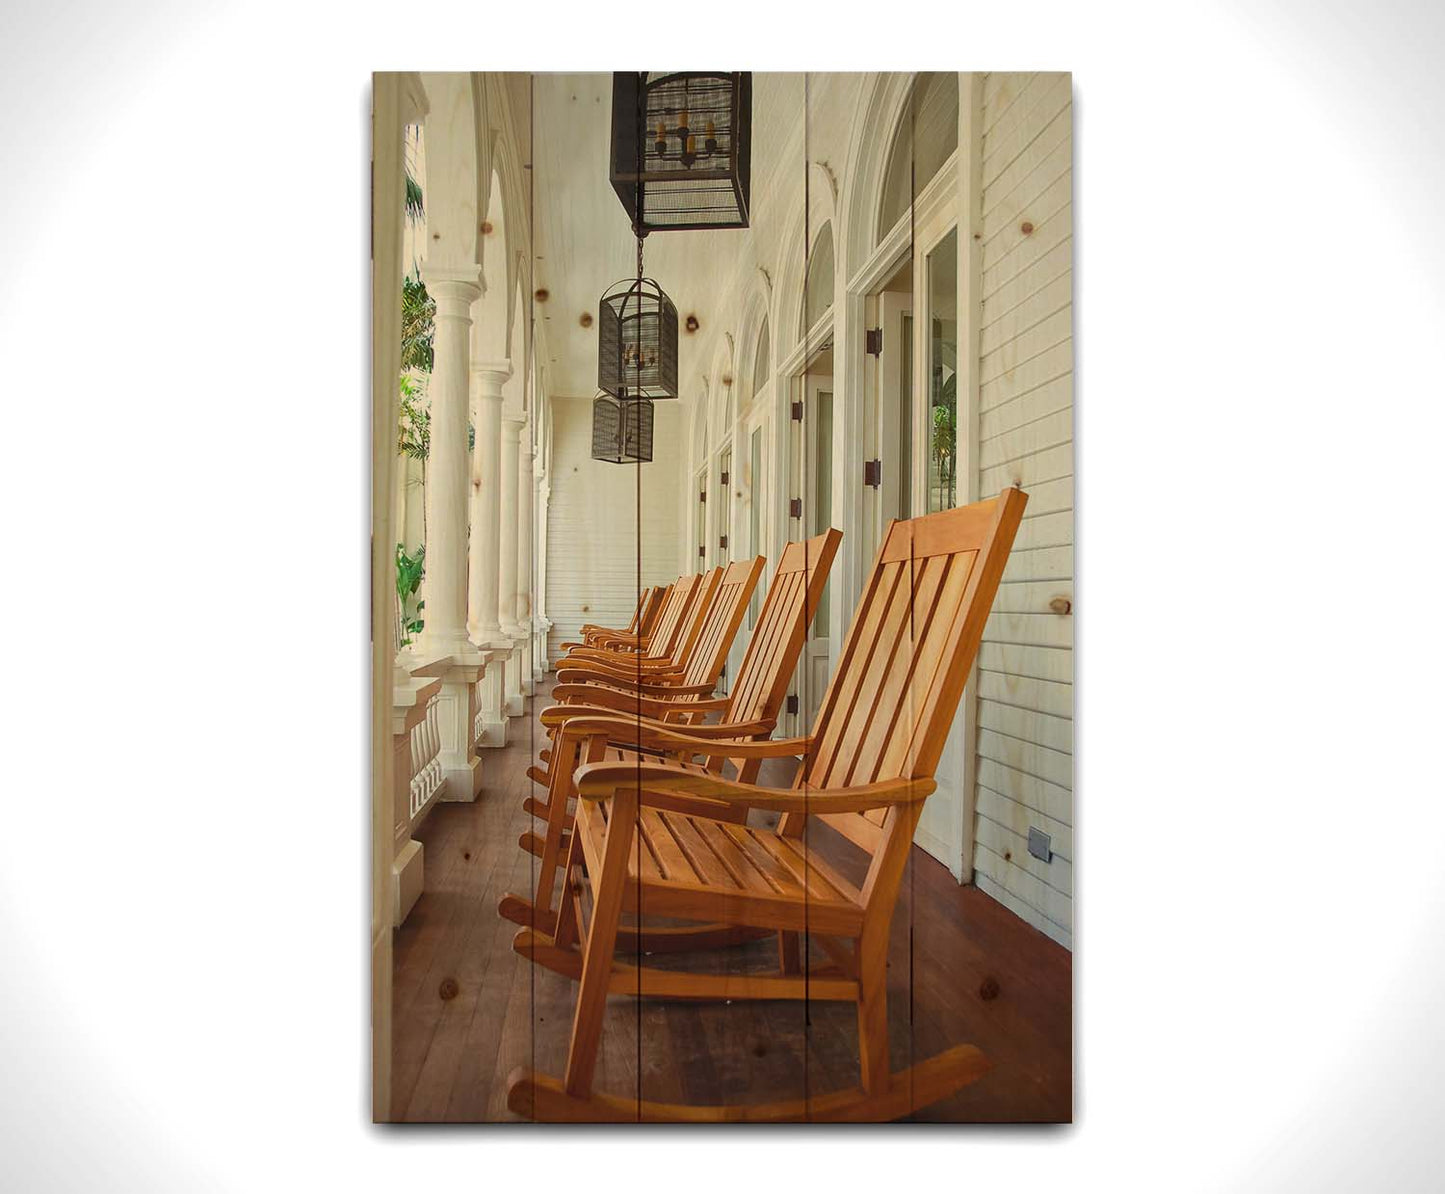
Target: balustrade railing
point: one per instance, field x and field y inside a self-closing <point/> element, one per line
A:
<point x="426" y="764"/>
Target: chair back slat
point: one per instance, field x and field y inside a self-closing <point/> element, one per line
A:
<point x="695" y="616"/>
<point x="782" y="626"/>
<point x="909" y="650"/>
<point x="724" y="616"/>
<point x="636" y="620"/>
<point x="670" y="621"/>
<point x="652" y="606"/>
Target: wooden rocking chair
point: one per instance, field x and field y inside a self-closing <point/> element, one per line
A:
<point x="711" y="641"/>
<point x="649" y="605"/>
<point x="671" y="622"/>
<point x="749" y="712"/>
<point x="698" y="674"/>
<point x="657" y="839"/>
<point x="669" y="648"/>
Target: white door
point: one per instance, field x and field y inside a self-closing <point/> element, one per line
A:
<point x="888" y="419"/>
<point x="937" y="485"/>
<point x="810" y="474"/>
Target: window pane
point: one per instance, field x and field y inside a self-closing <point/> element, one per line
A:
<point x="943" y="374"/>
<point x="932" y="119"/>
<point x="822" y="489"/>
<point x="755" y="515"/>
<point x="761" y="361"/>
<point x="905" y="418"/>
<point x="700" y="527"/>
<point x="818" y="291"/>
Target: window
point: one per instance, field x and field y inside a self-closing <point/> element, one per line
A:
<point x="943" y="374"/>
<point x="755" y="511"/>
<point x="930" y="120"/>
<point x="818" y="289"/>
<point x="762" y="363"/>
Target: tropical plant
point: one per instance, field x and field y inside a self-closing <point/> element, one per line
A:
<point x="414" y="210"/>
<point x="409" y="573"/>
<point x="418" y="325"/>
<point x="945" y="438"/>
<point x="414" y="424"/>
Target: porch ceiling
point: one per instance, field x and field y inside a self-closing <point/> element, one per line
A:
<point x="584" y="242"/>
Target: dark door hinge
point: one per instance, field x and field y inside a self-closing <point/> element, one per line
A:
<point x="874" y="341"/>
<point x="701" y="550"/>
<point x="792" y="702"/>
<point x="722" y="542"/>
<point x="872" y="473"/>
<point x="723" y="479"/>
<point x="795" y="508"/>
<point x="702" y="496"/>
<point x="797" y="412"/>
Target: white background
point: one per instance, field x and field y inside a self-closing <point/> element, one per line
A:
<point x="183" y="327"/>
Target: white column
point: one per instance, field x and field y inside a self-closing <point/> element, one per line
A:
<point x="483" y="607"/>
<point x="454" y="288"/>
<point x="484" y="623"/>
<point x="507" y="573"/>
<point x="507" y="567"/>
<point x="526" y="487"/>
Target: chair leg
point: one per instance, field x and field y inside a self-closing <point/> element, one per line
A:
<point x="557" y="796"/>
<point x="789" y="956"/>
<point x="567" y="911"/>
<point x="608" y="890"/>
<point x="873" y="1010"/>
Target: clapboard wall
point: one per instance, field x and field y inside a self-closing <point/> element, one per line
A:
<point x="1026" y="670"/>
<point x="592" y="531"/>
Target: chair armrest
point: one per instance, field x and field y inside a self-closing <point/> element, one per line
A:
<point x="587" y="674"/>
<point x="722" y="740"/>
<point x="631" y="700"/>
<point x="600" y="781"/>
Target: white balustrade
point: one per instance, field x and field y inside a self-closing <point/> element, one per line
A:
<point x="426" y="764"/>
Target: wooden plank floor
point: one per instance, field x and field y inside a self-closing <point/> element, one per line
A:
<point x="952" y="949"/>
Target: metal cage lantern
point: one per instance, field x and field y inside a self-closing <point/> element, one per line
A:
<point x="621" y="431"/>
<point x="637" y="341"/>
<point x="682" y="148"/>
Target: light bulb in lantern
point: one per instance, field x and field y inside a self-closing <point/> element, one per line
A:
<point x="710" y="144"/>
<point x="661" y="143"/>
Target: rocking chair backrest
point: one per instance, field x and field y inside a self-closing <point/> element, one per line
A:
<point x="673" y="617"/>
<point x="781" y="629"/>
<point x="699" y="606"/>
<point x="651" y="606"/>
<point x="909" y="650"/>
<point x="634" y="624"/>
<point x="724" y="616"/>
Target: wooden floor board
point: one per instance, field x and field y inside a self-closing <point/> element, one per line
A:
<point x="451" y="1057"/>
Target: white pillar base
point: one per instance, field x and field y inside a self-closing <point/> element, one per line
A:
<point x="492" y="713"/>
<point x="513" y="704"/>
<point x="406" y="880"/>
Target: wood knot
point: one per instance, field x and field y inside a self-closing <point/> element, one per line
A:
<point x="691" y="323"/>
<point x="466" y="856"/>
<point x="585" y="319"/>
<point x="1061" y="605"/>
<point x="758" y="1047"/>
<point x="988" y="989"/>
<point x="448" y="989"/>
<point x="541" y="294"/>
<point x="1026" y="228"/>
<point x="486" y="227"/>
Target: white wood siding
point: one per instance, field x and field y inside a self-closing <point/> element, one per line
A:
<point x="592" y="540"/>
<point x="1026" y="670"/>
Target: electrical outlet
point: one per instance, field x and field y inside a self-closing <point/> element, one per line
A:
<point x="1039" y="845"/>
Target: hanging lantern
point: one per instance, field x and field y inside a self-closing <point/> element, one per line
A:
<point x="682" y="148"/>
<point x="621" y="431"/>
<point x="637" y="341"/>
